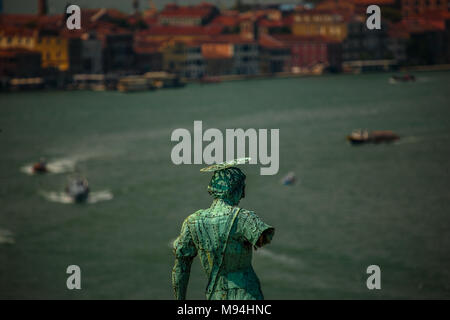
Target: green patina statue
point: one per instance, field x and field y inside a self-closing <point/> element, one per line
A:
<point x="224" y="236"/>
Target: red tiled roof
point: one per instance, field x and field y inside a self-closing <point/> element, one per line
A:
<point x="271" y="23"/>
<point x="398" y="31"/>
<point x="369" y="2"/>
<point x="72" y="34"/>
<point x="13" y="52"/>
<point x="289" y="38"/>
<point x="12" y="31"/>
<point x="345" y="14"/>
<point x="17" y="19"/>
<point x="183" y="30"/>
<point x="267" y="41"/>
<point x="198" y="11"/>
<point x="147" y="47"/>
<point x="113" y="13"/>
<point x="231" y="38"/>
<point x="252" y="15"/>
<point x="432" y="20"/>
<point x="150" y="21"/>
<point x="225" y="20"/>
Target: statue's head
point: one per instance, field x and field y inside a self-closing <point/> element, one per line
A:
<point x="228" y="184"/>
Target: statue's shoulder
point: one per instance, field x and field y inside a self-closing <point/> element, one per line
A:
<point x="246" y="212"/>
<point x="194" y="216"/>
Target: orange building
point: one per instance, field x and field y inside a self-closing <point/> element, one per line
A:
<point x="54" y="49"/>
<point x="414" y="7"/>
<point x="331" y="24"/>
<point x="197" y="15"/>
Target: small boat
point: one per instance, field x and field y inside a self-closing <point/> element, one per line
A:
<point x="289" y="179"/>
<point x="403" y="78"/>
<point x="207" y="80"/>
<point x="363" y="136"/>
<point x="78" y="189"/>
<point x="133" y="84"/>
<point x="40" y="167"/>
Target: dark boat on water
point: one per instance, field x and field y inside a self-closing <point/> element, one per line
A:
<point x="40" y="167"/>
<point x="78" y="189"/>
<point x="363" y="136"/>
<point x="403" y="78"/>
<point x="210" y="79"/>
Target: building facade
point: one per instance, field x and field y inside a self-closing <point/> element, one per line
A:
<point x="325" y="23"/>
<point x="415" y="7"/>
<point x="54" y="49"/>
<point x="364" y="44"/>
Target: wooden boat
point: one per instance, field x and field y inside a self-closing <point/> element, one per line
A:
<point x="363" y="136"/>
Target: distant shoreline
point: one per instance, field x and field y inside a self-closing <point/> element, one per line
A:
<point x="436" y="67"/>
<point x="283" y="75"/>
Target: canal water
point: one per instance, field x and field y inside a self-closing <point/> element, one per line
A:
<point x="351" y="207"/>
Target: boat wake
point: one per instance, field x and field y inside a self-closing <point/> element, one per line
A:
<point x="57" y="166"/>
<point x="62" y="197"/>
<point x="408" y="140"/>
<point x="6" y="237"/>
<point x="278" y="257"/>
<point x="66" y="164"/>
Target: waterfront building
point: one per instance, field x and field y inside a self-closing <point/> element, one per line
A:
<point x="20" y="63"/>
<point x="148" y="55"/>
<point x="174" y="57"/>
<point x="54" y="49"/>
<point x="308" y="53"/>
<point x="320" y="22"/>
<point x="274" y="56"/>
<point x="198" y="15"/>
<point x="195" y="66"/>
<point x="118" y="54"/>
<point x="91" y="54"/>
<point x="179" y="33"/>
<point x="245" y="54"/>
<point x="416" y="7"/>
<point x="364" y="44"/>
<point x="218" y="59"/>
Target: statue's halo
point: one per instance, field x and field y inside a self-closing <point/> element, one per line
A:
<point x="226" y="164"/>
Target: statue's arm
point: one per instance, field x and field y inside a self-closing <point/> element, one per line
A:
<point x="180" y="276"/>
<point x="257" y="232"/>
<point x="185" y="252"/>
<point x="266" y="237"/>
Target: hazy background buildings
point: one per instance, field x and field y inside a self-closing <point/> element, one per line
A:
<point x="221" y="38"/>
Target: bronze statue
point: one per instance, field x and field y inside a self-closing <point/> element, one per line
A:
<point x="223" y="236"/>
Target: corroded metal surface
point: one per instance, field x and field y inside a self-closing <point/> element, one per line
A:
<point x="223" y="236"/>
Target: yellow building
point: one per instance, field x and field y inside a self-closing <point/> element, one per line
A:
<point x="174" y="56"/>
<point x="53" y="48"/>
<point x="320" y="23"/>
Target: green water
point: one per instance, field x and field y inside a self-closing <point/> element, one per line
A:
<point x="352" y="206"/>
